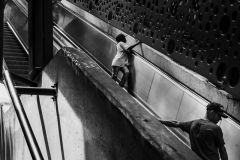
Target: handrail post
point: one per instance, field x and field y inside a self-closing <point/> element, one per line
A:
<point x="2" y="154"/>
<point x="22" y="117"/>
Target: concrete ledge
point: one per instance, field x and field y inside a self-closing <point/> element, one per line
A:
<point x="168" y="146"/>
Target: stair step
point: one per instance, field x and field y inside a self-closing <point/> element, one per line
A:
<point x="6" y="29"/>
<point x="16" y="58"/>
<point x="19" y="71"/>
<point x="23" y="67"/>
<point x="10" y="43"/>
<point x="6" y="35"/>
<point x="13" y="50"/>
<point x="10" y="40"/>
<point x="14" y="62"/>
<point x="14" y="54"/>
<point x="12" y="46"/>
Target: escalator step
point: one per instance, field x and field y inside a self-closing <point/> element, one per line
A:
<point x="10" y="62"/>
<point x="10" y="43"/>
<point x="12" y="46"/>
<point x="13" y="50"/>
<point x="19" y="71"/>
<point x="14" y="54"/>
<point x="17" y="58"/>
<point x="6" y="35"/>
<point x="10" y="40"/>
<point x="22" y="67"/>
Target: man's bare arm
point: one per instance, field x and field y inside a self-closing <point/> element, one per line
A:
<point x="223" y="153"/>
<point x="170" y="123"/>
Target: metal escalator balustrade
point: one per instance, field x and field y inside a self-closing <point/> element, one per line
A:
<point x="15" y="56"/>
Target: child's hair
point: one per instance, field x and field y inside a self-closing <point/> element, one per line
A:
<point x="120" y="38"/>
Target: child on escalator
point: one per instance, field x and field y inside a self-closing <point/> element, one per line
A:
<point x="120" y="61"/>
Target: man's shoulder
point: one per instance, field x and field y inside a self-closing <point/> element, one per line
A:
<point x="203" y="122"/>
<point x="210" y="125"/>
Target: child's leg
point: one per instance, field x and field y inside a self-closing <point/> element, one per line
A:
<point x="115" y="70"/>
<point x="125" y="72"/>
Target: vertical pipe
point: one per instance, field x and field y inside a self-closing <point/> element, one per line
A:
<point x="1" y="35"/>
<point x="59" y="127"/>
<point x="2" y="136"/>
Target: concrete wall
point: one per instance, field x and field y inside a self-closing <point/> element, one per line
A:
<point x="94" y="118"/>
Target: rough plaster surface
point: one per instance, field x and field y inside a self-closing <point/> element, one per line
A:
<point x="98" y="120"/>
<point x="190" y="79"/>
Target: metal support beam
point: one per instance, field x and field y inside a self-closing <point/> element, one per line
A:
<point x="40" y="33"/>
<point x="47" y="32"/>
<point x="35" y="33"/>
<point x="36" y="91"/>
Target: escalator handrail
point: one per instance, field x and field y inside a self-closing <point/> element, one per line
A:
<point x="22" y="117"/>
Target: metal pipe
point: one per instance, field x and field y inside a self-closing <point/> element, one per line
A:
<point x="23" y="120"/>
<point x="2" y="136"/>
<point x="1" y="34"/>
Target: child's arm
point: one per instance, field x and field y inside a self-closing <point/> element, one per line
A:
<point x="134" y="45"/>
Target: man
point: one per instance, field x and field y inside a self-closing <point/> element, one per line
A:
<point x="205" y="135"/>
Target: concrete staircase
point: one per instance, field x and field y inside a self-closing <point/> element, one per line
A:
<point x="15" y="56"/>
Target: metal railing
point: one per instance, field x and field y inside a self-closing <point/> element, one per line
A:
<point x="22" y="117"/>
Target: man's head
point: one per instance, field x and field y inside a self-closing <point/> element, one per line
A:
<point x="121" y="38"/>
<point x="215" y="112"/>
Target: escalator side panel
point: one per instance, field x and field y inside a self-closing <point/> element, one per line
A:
<point x="165" y="97"/>
<point x="140" y="79"/>
<point x="231" y="137"/>
<point x="190" y="109"/>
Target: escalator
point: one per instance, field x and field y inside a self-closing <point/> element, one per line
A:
<point x="14" y="54"/>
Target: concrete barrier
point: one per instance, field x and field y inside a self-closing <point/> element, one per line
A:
<point x="92" y="118"/>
